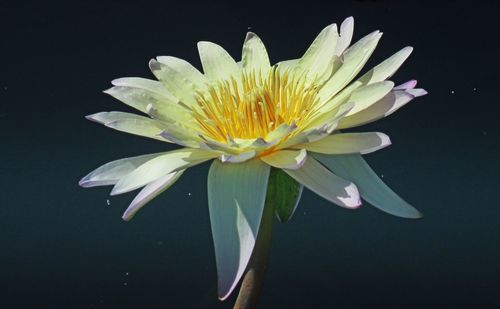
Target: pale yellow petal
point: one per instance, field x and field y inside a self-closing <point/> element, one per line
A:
<point x="176" y="82"/>
<point x="354" y="59"/>
<point x="289" y="159"/>
<point x="346" y="32"/>
<point x="346" y="143"/>
<point x="318" y="59"/>
<point x="254" y="55"/>
<point x="216" y="61"/>
<point x="185" y="69"/>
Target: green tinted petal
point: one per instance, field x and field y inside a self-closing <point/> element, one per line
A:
<point x="371" y="187"/>
<point x="236" y="195"/>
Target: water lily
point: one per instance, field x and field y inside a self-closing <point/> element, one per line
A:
<point x="251" y="117"/>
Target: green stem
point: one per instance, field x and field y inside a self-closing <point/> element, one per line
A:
<point x="251" y="287"/>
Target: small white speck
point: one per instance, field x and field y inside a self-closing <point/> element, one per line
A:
<point x="381" y="175"/>
<point x="453" y="92"/>
<point x="126" y="274"/>
<point x="474" y="89"/>
<point x="248" y="28"/>
<point x="125" y="283"/>
<point x="108" y="202"/>
<point x="189" y="193"/>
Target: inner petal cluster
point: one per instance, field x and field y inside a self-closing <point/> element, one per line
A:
<point x="253" y="104"/>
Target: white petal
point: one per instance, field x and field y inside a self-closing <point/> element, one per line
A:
<point x="111" y="172"/>
<point x="217" y="63"/>
<point x="176" y="82"/>
<point x="254" y="55"/>
<point x="371" y="187"/>
<point x="290" y="159"/>
<point x="149" y="192"/>
<point x="236" y="196"/>
<point x="326" y="184"/>
<point x="129" y="123"/>
<point x="160" y="166"/>
<point x="346" y="31"/>
<point x="344" y="143"/>
<point x="140" y="99"/>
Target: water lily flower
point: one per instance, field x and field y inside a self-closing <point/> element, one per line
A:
<point x="250" y="116"/>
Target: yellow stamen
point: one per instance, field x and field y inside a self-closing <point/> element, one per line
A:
<point x="253" y="105"/>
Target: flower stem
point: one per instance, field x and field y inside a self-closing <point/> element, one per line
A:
<point x="251" y="287"/>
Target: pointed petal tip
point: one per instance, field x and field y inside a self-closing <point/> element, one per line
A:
<point x="250" y="35"/>
<point x="127" y="216"/>
<point x="154" y="65"/>
<point x="354" y="199"/>
<point x="83" y="182"/>
<point x="94" y="117"/>
<point x="408" y="49"/>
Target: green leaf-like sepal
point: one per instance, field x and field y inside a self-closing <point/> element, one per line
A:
<point x="283" y="192"/>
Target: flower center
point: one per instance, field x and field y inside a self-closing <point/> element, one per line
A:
<point x="254" y="105"/>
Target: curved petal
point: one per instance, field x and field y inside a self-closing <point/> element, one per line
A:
<point x="394" y="100"/>
<point x="290" y="159"/>
<point x="111" y="172"/>
<point x="384" y="107"/>
<point x="143" y="99"/>
<point x="345" y="143"/>
<point x="386" y="68"/>
<point x="354" y="59"/>
<point x="216" y="61"/>
<point x="238" y="158"/>
<point x="317" y="60"/>
<point x="371" y="187"/>
<point x="236" y="196"/>
<point x="346" y="31"/>
<point x="160" y="166"/>
<point x="254" y="56"/>
<point x="326" y="184"/>
<point x="149" y="192"/>
<point x="176" y="82"/>
<point x="185" y="69"/>
<point x="363" y="97"/>
<point x="129" y="123"/>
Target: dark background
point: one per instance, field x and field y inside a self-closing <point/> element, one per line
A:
<point x="62" y="246"/>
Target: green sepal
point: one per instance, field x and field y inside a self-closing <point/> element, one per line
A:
<point x="283" y="192"/>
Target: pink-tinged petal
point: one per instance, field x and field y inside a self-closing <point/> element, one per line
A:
<point x="408" y="85"/>
<point x="371" y="187"/>
<point x="417" y="92"/>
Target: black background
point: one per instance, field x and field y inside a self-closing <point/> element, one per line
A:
<point x="63" y="246"/>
